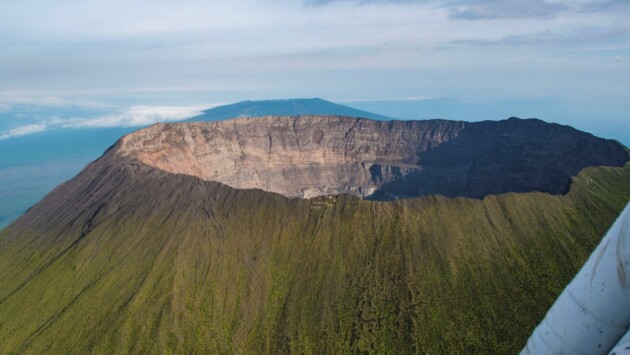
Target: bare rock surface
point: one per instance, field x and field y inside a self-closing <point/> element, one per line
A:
<point x="309" y="156"/>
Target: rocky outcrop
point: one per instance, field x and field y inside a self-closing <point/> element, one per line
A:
<point x="309" y="156"/>
<point x="303" y="156"/>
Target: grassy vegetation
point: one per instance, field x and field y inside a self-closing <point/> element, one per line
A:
<point x="165" y="263"/>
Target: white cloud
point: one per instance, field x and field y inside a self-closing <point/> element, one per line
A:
<point x="22" y="131"/>
<point x="196" y="29"/>
<point x="131" y="117"/>
<point x="135" y="116"/>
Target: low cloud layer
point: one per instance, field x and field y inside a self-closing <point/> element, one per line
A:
<point x="22" y="131"/>
<point x="132" y="117"/>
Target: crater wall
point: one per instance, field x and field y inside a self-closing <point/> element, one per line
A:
<point x="308" y="156"/>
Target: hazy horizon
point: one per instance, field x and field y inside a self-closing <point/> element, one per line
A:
<point x="129" y="63"/>
<point x="27" y="118"/>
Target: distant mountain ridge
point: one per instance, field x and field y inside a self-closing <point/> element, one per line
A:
<point x="286" y="107"/>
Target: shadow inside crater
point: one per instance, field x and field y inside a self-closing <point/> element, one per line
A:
<point x="490" y="157"/>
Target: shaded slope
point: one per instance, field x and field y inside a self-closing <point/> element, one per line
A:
<point x="288" y="107"/>
<point x="128" y="258"/>
<point x="513" y="155"/>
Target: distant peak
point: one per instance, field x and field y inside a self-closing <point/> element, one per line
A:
<point x="283" y="107"/>
<point x="302" y="99"/>
<point x="531" y="119"/>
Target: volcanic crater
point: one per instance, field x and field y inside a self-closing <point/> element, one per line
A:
<point x="309" y="156"/>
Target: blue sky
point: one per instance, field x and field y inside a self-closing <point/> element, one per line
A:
<point x="132" y="62"/>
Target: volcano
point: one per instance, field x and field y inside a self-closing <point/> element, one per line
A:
<point x="310" y="234"/>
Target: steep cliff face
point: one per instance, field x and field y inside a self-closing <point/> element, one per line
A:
<point x="302" y="156"/>
<point x="310" y="156"/>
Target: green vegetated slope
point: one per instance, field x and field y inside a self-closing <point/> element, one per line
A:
<point x="126" y="258"/>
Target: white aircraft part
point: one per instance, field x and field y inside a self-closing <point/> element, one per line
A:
<point x="623" y="346"/>
<point x="593" y="312"/>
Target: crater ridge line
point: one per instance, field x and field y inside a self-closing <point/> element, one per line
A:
<point x="310" y="156"/>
